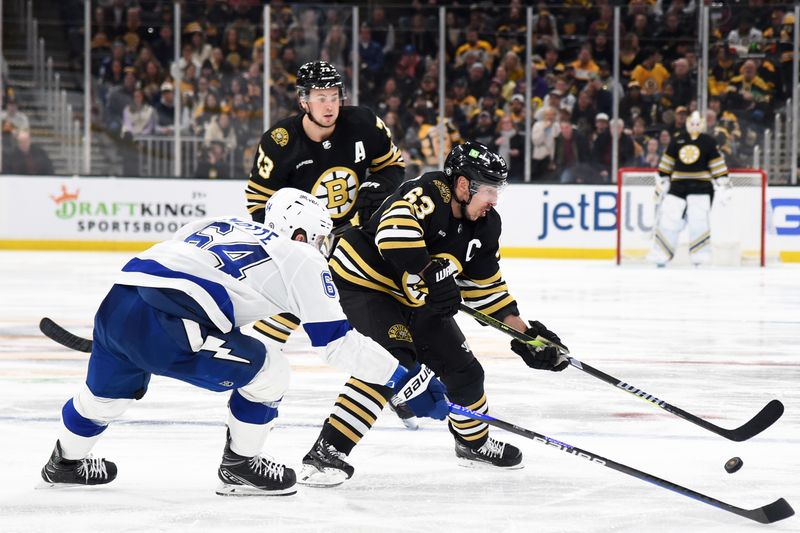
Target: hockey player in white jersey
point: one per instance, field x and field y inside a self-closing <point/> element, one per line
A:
<point x="176" y="310"/>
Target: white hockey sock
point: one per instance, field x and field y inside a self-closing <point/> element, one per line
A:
<point x="247" y="439"/>
<point x="74" y="447"/>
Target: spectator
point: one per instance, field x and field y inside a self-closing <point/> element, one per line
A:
<point x="483" y="129"/>
<point x="545" y="31"/>
<point x="543" y="137"/>
<point x="749" y="96"/>
<point x="119" y="98"/>
<point x="585" y="66"/>
<point x="552" y="65"/>
<point x="305" y="44"/>
<point x="684" y="88"/>
<point x="220" y="129"/>
<point x="205" y="112"/>
<point x="383" y="31"/>
<point x="515" y="110"/>
<point x="745" y="39"/>
<point x="423" y="38"/>
<point x="214" y="165"/>
<point x="472" y="43"/>
<point x="370" y="53"/>
<point x="633" y="106"/>
<point x="572" y="155"/>
<point x="602" y="147"/>
<point x="478" y="79"/>
<point x="674" y="35"/>
<point x="335" y="47"/>
<point x="27" y="158"/>
<point x="13" y="120"/>
<point x="651" y="155"/>
<point x="511" y="147"/>
<point x="164" y="45"/>
<point x="650" y="74"/>
<point x="139" y="117"/>
<point x="679" y="125"/>
<point x="629" y="55"/>
<point x="165" y="111"/>
<point x="584" y="112"/>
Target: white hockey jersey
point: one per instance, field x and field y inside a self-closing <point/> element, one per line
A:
<point x="239" y="271"/>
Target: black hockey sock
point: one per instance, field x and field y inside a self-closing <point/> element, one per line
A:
<point x="356" y="410"/>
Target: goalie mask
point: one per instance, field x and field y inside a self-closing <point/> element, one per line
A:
<point x="695" y="125"/>
<point x="291" y="212"/>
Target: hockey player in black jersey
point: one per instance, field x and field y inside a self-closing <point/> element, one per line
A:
<point x="343" y="155"/>
<point x="401" y="277"/>
<point x="690" y="172"/>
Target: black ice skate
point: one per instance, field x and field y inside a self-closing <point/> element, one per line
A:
<point x="324" y="466"/>
<point x="492" y="453"/>
<point x="405" y="415"/>
<point x="253" y="476"/>
<point x="65" y="472"/>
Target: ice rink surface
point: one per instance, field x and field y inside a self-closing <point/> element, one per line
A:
<point x="719" y="343"/>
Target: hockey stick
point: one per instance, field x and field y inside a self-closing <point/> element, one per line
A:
<point x="764" y="419"/>
<point x="777" y="510"/>
<point x="64" y="337"/>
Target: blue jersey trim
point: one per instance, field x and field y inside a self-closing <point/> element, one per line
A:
<point x="214" y="289"/>
<point x="79" y="424"/>
<point x="324" y="333"/>
<point x="251" y="412"/>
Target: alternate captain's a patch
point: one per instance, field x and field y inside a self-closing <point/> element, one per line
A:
<point x="280" y="136"/>
<point x="400" y="333"/>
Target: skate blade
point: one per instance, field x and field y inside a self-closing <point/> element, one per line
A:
<point x="482" y="465"/>
<point x="49" y="485"/>
<point x="241" y="490"/>
<point x="311" y="476"/>
<point x="411" y="424"/>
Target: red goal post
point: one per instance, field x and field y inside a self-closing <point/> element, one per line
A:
<point x="738" y="230"/>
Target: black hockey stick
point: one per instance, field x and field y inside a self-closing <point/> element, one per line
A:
<point x="764" y="419"/>
<point x="64" y="337"/>
<point x="777" y="510"/>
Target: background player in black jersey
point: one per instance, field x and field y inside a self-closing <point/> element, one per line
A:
<point x="343" y="155"/>
<point x="690" y="171"/>
<point x="401" y="277"/>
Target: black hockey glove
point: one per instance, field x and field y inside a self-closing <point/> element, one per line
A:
<point x="538" y="357"/>
<point x="443" y="294"/>
<point x="371" y="195"/>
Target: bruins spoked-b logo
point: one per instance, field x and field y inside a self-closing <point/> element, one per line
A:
<point x="689" y="154"/>
<point x="400" y="333"/>
<point x="280" y="136"/>
<point x="336" y="189"/>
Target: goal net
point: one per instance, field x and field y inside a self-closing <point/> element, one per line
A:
<point x="738" y="230"/>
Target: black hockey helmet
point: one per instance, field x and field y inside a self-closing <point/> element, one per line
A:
<point x="478" y="164"/>
<point x="318" y="75"/>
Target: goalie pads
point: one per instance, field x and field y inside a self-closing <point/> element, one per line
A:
<point x="662" y="187"/>
<point x="670" y="224"/>
<point x="698" y="208"/>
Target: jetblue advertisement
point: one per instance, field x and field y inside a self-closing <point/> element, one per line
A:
<point x="555" y="221"/>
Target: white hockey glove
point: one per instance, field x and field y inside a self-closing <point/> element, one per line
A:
<point x="723" y="191"/>
<point x="662" y="187"/>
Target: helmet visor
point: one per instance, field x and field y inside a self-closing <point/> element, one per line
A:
<point x="324" y="243"/>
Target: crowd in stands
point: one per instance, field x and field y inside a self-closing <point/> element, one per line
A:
<point x="221" y="65"/>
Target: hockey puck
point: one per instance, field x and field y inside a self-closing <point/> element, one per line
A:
<point x="733" y="465"/>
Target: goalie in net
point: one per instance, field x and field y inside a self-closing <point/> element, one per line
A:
<point x="690" y="172"/>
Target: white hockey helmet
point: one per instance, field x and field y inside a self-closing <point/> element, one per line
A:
<point x="695" y="124"/>
<point x="290" y="211"/>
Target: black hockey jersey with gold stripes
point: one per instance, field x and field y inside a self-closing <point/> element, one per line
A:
<point x="331" y="170"/>
<point x="688" y="158"/>
<point x="415" y="223"/>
